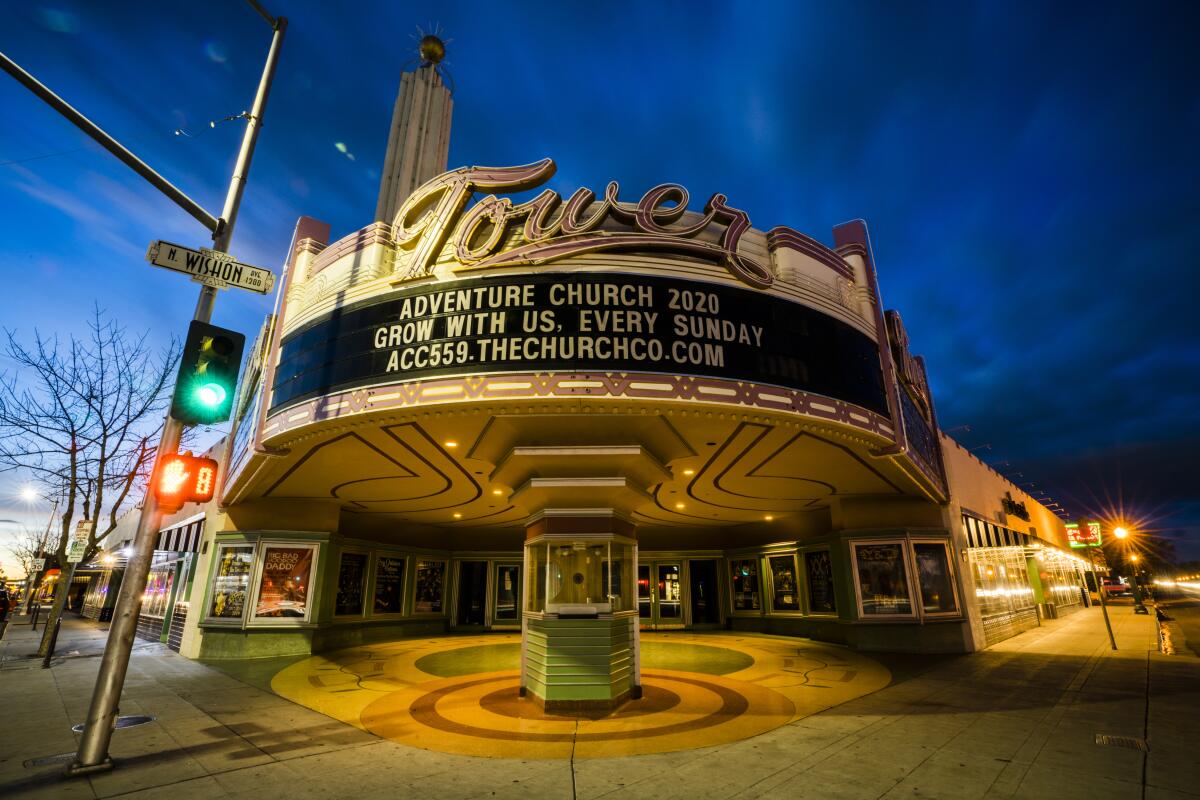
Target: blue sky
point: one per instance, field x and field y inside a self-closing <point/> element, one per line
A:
<point x="1028" y="173"/>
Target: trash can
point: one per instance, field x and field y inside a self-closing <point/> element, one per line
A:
<point x="1047" y="611"/>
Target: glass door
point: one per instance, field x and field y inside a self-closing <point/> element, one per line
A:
<point x="507" y="613"/>
<point x="705" y="604"/>
<point x="660" y="594"/>
<point x="472" y="593"/>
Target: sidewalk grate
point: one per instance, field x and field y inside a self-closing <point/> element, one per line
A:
<point x="1122" y="741"/>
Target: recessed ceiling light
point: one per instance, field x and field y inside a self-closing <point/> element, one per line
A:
<point x="450" y="444"/>
<point x="497" y="491"/>
<point x="679" y="505"/>
<point x="689" y="472"/>
<point x="769" y="518"/>
<point x="457" y="515"/>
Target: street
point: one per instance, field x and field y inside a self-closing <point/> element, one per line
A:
<point x="1182" y="604"/>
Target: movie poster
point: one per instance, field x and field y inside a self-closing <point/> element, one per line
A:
<point x="389" y="585"/>
<point x="284" y="588"/>
<point x="352" y="571"/>
<point x="231" y="581"/>
<point x="431" y="577"/>
<point x="821" y="598"/>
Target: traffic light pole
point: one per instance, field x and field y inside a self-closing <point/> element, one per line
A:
<point x="92" y="755"/>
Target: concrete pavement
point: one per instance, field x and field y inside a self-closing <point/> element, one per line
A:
<point x="1018" y="720"/>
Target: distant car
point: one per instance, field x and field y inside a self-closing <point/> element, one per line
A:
<point x="1116" y="589"/>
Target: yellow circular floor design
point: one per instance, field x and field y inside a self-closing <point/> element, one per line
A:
<point x="380" y="688"/>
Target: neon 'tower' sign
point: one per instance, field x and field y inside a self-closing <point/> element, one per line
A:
<point x="434" y="212"/>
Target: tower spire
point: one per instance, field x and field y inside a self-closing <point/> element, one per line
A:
<point x="419" y="141"/>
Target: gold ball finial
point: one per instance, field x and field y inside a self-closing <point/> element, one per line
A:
<point x="432" y="49"/>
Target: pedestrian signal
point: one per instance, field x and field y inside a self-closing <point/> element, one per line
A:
<point x="208" y="374"/>
<point x="184" y="478"/>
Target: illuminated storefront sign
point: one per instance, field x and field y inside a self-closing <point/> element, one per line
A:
<point x="1085" y="534"/>
<point x="577" y="323"/>
<point x="496" y="233"/>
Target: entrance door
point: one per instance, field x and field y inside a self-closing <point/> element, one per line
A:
<point x="660" y="594"/>
<point x="704" y="603"/>
<point x="472" y="593"/>
<point x="507" y="611"/>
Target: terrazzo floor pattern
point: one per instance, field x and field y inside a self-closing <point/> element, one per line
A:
<point x="459" y="694"/>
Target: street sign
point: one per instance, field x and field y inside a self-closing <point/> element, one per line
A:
<point x="210" y="267"/>
<point x="37" y="565"/>
<point x="75" y="551"/>
<point x="83" y="531"/>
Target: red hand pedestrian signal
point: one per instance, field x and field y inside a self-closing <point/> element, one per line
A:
<point x="184" y="478"/>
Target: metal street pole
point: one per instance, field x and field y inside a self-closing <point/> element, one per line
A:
<point x="92" y="755"/>
<point x="1103" y="605"/>
<point x="30" y="581"/>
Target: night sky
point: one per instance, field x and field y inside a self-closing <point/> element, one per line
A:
<point x="1028" y="174"/>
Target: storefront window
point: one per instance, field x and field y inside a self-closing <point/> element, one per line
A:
<point x="158" y="589"/>
<point x="745" y="585"/>
<point x="284" y="588"/>
<point x="389" y="585"/>
<point x="882" y="579"/>
<point x="820" y="582"/>
<point x="785" y="596"/>
<point x="431" y="581"/>
<point x="232" y="581"/>
<point x="352" y="572"/>
<point x="933" y="576"/>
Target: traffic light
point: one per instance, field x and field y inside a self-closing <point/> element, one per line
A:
<point x="184" y="478"/>
<point x="208" y="374"/>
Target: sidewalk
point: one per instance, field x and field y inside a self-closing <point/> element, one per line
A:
<point x="1018" y="720"/>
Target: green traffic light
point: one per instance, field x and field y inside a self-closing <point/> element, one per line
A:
<point x="211" y="395"/>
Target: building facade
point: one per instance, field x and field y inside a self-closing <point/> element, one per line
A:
<point x="583" y="417"/>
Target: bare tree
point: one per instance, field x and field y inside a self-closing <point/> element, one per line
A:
<point x="83" y="418"/>
<point x="30" y="544"/>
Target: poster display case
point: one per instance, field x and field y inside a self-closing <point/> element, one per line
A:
<point x="746" y="595"/>
<point x="351" y="583"/>
<point x="934" y="578"/>
<point x="262" y="583"/>
<point x="230" y="585"/>
<point x="785" y="593"/>
<point x="388" y="592"/>
<point x="430" y="583"/>
<point x="285" y="582"/>
<point x="882" y="579"/>
<point x="818" y="569"/>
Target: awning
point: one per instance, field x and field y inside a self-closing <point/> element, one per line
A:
<point x="182" y="538"/>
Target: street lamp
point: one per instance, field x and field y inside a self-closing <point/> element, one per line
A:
<point x="1139" y="606"/>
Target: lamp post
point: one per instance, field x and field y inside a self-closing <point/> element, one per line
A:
<point x="1139" y="606"/>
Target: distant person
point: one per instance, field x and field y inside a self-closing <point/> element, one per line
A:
<point x="5" y="603"/>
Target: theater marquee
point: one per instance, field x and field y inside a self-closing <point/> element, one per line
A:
<point x="565" y="322"/>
